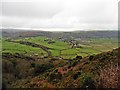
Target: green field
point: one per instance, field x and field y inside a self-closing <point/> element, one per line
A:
<point x="104" y="44"/>
<point x="19" y="48"/>
<point x="58" y="45"/>
<point x="60" y="48"/>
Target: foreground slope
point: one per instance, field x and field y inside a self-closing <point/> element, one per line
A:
<point x="93" y="71"/>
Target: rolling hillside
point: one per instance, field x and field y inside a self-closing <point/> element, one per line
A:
<point x="79" y="72"/>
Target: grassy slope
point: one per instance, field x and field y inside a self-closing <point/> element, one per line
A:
<point x="106" y="44"/>
<point x="19" y="48"/>
<point x="58" y="45"/>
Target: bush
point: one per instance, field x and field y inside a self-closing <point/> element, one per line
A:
<point x="91" y="57"/>
<point x="7" y="67"/>
<point x="74" y="63"/>
<point x="51" y="77"/>
<point x="32" y="64"/>
<point x="87" y="82"/>
<point x="78" y="57"/>
<point x="56" y="70"/>
<point x="75" y="76"/>
<point x="54" y="77"/>
<point x="40" y="68"/>
<point x="69" y="66"/>
<point x="79" y="73"/>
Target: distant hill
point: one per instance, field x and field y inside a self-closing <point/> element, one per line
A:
<point x="17" y="33"/>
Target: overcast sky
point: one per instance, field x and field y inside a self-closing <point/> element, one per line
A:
<point x="60" y="14"/>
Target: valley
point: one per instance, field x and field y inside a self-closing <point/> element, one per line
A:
<point x="38" y="59"/>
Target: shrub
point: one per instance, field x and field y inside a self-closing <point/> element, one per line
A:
<point x="32" y="64"/>
<point x="79" y="73"/>
<point x="51" y="77"/>
<point x="69" y="66"/>
<point x="74" y="63"/>
<point x="54" y="77"/>
<point x="7" y="67"/>
<point x="87" y="82"/>
<point x="56" y="70"/>
<point x="78" y="57"/>
<point x="40" y="68"/>
<point x="91" y="57"/>
<point x="75" y="76"/>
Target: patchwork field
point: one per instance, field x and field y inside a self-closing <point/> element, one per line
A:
<point x="13" y="47"/>
<point x="60" y="48"/>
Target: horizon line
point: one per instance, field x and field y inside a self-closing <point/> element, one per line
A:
<point x="58" y="29"/>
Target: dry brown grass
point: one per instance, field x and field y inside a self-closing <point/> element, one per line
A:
<point x="108" y="77"/>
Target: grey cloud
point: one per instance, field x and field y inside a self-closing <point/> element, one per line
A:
<point x="30" y="9"/>
<point x="61" y="14"/>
